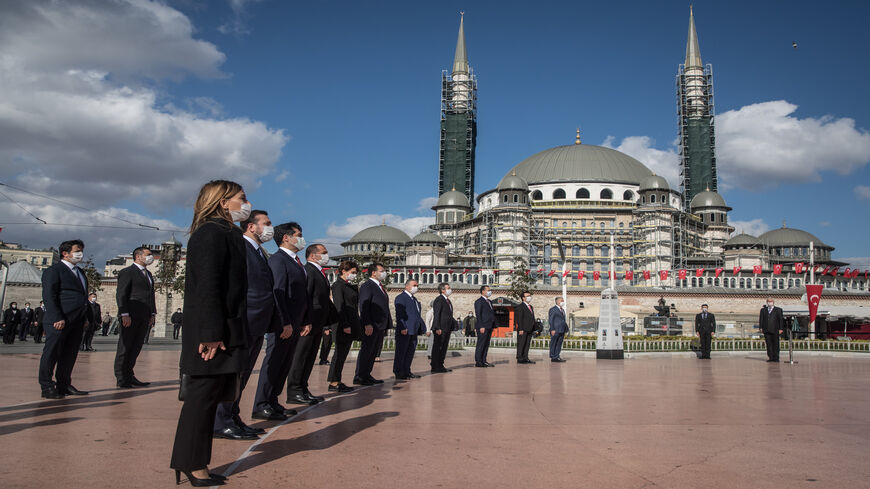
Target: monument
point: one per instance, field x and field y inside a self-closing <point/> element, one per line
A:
<point x="609" y="345"/>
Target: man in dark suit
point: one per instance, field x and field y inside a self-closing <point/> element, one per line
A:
<point x="38" y="314"/>
<point x="137" y="308"/>
<point x="771" y="322"/>
<point x="409" y="324"/>
<point x="65" y="294"/>
<point x="27" y="315"/>
<point x="262" y="318"/>
<point x="485" y="315"/>
<point x="375" y="317"/>
<point x="442" y="324"/>
<point x="177" y="318"/>
<point x="96" y="313"/>
<point x="558" y="328"/>
<point x="325" y="346"/>
<point x="290" y="288"/>
<point x="524" y="318"/>
<point x="705" y="327"/>
<point x="11" y="321"/>
<point x="322" y="311"/>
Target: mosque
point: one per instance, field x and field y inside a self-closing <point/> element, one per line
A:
<point x="555" y="214"/>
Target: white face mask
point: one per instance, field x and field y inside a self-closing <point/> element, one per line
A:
<point x="704" y="309"/>
<point x="488" y="293"/>
<point x="527" y="299"/>
<point x="324" y="259"/>
<point x="414" y="290"/>
<point x="770" y="304"/>
<point x="241" y="214"/>
<point x="76" y="257"/>
<point x="383" y="275"/>
<point x="149" y="260"/>
<point x="351" y="277"/>
<point x="300" y="243"/>
<point x="448" y="291"/>
<point x="559" y="304"/>
<point x="267" y="234"/>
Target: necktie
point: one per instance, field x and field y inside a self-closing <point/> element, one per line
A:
<point x="322" y="271"/>
<point x="147" y="278"/>
<point x="705" y="315"/>
<point x="383" y="289"/>
<point x="299" y="262"/>
<point x="81" y="277"/>
<point x="562" y="311"/>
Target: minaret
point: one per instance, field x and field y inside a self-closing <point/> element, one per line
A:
<point x="695" y="109"/>
<point x="458" y="123"/>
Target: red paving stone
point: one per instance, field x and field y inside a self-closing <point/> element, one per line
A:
<point x="649" y="421"/>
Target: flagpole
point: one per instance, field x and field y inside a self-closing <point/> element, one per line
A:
<point x="812" y="269"/>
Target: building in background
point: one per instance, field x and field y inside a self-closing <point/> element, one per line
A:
<point x="41" y="259"/>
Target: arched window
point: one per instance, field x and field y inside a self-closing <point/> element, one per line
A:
<point x="643" y="199"/>
<point x="742" y="283"/>
<point x="628" y="195"/>
<point x="516" y="198"/>
<point x="621" y="225"/>
<point x="505" y="199"/>
<point x="582" y="194"/>
<point x="590" y="251"/>
<point x="652" y="199"/>
<point x="607" y="194"/>
<point x="559" y="193"/>
<point x="602" y="225"/>
<point x="694" y="282"/>
<point x="537" y="195"/>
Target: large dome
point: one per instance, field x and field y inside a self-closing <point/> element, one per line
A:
<point x="379" y="234"/>
<point x="581" y="163"/>
<point x="791" y="237"/>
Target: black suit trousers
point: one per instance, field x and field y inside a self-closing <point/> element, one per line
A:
<point x="365" y="361"/>
<point x="130" y="341"/>
<point x="325" y="345"/>
<point x="193" y="437"/>
<point x="406" y="346"/>
<point x="336" y="366"/>
<point x="482" y="347"/>
<point x="771" y="340"/>
<point x="274" y="369"/>
<point x="439" y="349"/>
<point x="524" y="341"/>
<point x="228" y="411"/>
<point x="303" y="361"/>
<point x="706" y="342"/>
<point x="59" y="354"/>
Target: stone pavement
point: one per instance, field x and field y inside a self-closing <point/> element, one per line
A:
<point x="649" y="421"/>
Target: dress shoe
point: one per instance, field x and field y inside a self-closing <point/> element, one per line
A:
<point x="402" y="377"/>
<point x="309" y="395"/>
<point x="287" y="411"/>
<point x="439" y="370"/>
<point x="341" y="387"/>
<point x="375" y="381"/>
<point x="195" y="482"/>
<point x="323" y="362"/>
<point x="124" y="385"/>
<point x="269" y="414"/>
<point x="72" y="391"/>
<point x="480" y="365"/>
<point x="357" y="381"/>
<point x="557" y="360"/>
<point x="300" y="399"/>
<point x="488" y="364"/>
<point x="138" y="383"/>
<point x="217" y="476"/>
<point x="234" y="433"/>
<point x="248" y="429"/>
<point x="414" y="376"/>
<point x="51" y="393"/>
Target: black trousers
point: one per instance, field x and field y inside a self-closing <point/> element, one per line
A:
<point x="59" y="354"/>
<point x="9" y="333"/>
<point x="380" y="345"/>
<point x="105" y="331"/>
<point x="325" y="345"/>
<point x="771" y="340"/>
<point x="193" y="437"/>
<point x="130" y="342"/>
<point x="88" y="336"/>
<point x="365" y="361"/>
<point x="482" y="347"/>
<point x="406" y="346"/>
<point x="524" y="341"/>
<point x="176" y="328"/>
<point x="706" y="342"/>
<point x="228" y="412"/>
<point x="22" y="331"/>
<point x="303" y="361"/>
<point x="37" y="335"/>
<point x="439" y="349"/>
<point x="274" y="369"/>
<point x="336" y="366"/>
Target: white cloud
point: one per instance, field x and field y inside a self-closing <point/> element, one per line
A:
<point x="426" y="203"/>
<point x="764" y="143"/>
<point x="282" y="176"/>
<point x="862" y="192"/>
<point x="662" y="162"/>
<point x="861" y="262"/>
<point x="355" y="224"/>
<point x="237" y="25"/>
<point x="755" y="227"/>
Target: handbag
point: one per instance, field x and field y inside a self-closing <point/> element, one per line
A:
<point x="229" y="393"/>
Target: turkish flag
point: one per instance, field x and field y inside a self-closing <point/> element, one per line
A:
<point x="551" y="273"/>
<point x="847" y="273"/>
<point x="737" y="270"/>
<point x="663" y="274"/>
<point x="834" y="271"/>
<point x="629" y="275"/>
<point x="422" y="270"/>
<point x="814" y="296"/>
<point x="682" y="274"/>
<point x="826" y="270"/>
<point x="528" y="272"/>
<point x="699" y="272"/>
<point x="596" y="275"/>
<point x="855" y="273"/>
<point x="799" y="267"/>
<point x="816" y="268"/>
<point x="718" y="272"/>
<point x="756" y="269"/>
<point x="566" y="273"/>
<point x="365" y="270"/>
<point x="580" y="275"/>
<point x="465" y="271"/>
<point x="777" y="269"/>
<point x="646" y="275"/>
<point x="540" y="269"/>
<point x="450" y="270"/>
<point x="394" y="270"/>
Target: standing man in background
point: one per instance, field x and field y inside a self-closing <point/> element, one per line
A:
<point x="524" y="317"/>
<point x="485" y="322"/>
<point x="558" y="328"/>
<point x="409" y="324"/>
<point x="705" y="327"/>
<point x="177" y="320"/>
<point x="26" y="321"/>
<point x="96" y="312"/>
<point x="107" y="321"/>
<point x="39" y="314"/>
<point x="442" y="324"/>
<point x="11" y="320"/>
<point x="375" y="317"/>
<point x="137" y="308"/>
<point x="771" y="322"/>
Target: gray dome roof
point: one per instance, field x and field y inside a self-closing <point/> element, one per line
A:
<point x="742" y="239"/>
<point x="654" y="182"/>
<point x="581" y="163"/>
<point x="427" y="237"/>
<point x="22" y="272"/>
<point x="379" y="234"/>
<point x="512" y="181"/>
<point x="791" y="237"/>
<point x="453" y="198"/>
<point x="707" y="199"/>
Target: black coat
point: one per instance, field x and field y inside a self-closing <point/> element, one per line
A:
<point x="771" y="323"/>
<point x="323" y="313"/>
<point x="291" y="290"/>
<point x="177" y="318"/>
<point x="38" y="314"/>
<point x="27" y="317"/>
<point x="442" y="318"/>
<point x="135" y="294"/>
<point x="214" y="299"/>
<point x="64" y="296"/>
<point x="346" y="298"/>
<point x="12" y="317"/>
<point x="705" y="325"/>
<point x="485" y="313"/>
<point x="524" y="319"/>
<point x="96" y="312"/>
<point x="263" y="314"/>
<point x="374" y="306"/>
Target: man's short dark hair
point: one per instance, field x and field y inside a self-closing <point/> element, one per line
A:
<point x="67" y="246"/>
<point x="286" y="229"/>
<point x="139" y="252"/>
<point x="407" y="282"/>
<point x="374" y="268"/>
<point x="483" y="287"/>
<point x="704" y="305"/>
<point x="13" y="303"/>
<point x="442" y="285"/>
<point x="92" y="294"/>
<point x="523" y="293"/>
<point x="26" y="303"/>
<point x="312" y="249"/>
<point x="252" y="219"/>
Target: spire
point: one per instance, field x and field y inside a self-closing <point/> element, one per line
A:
<point x="693" y="52"/>
<point x="460" y="61"/>
<point x="577" y="139"/>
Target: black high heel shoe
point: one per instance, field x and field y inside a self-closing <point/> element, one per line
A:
<point x="195" y="482"/>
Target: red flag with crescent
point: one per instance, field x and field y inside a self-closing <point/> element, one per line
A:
<point x="629" y="275"/>
<point x="777" y="269"/>
<point x="580" y="275"/>
<point x="646" y="275"/>
<point x="663" y="274"/>
<point x="566" y="273"/>
<point x="596" y="275"/>
<point x="737" y="270"/>
<point x="422" y="270"/>
<point x="551" y="273"/>
<point x="799" y="267"/>
<point x="528" y="272"/>
<point x="756" y="269"/>
<point x="682" y="274"/>
<point x="826" y="270"/>
<point x="719" y="272"/>
<point x="699" y="272"/>
<point x="855" y="273"/>
<point x="814" y="296"/>
<point x="834" y="271"/>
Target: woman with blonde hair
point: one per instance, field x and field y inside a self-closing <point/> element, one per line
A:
<point x="213" y="345"/>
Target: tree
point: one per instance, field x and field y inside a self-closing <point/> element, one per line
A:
<point x="521" y="280"/>
<point x="366" y="259"/>
<point x="169" y="277"/>
<point x="95" y="279"/>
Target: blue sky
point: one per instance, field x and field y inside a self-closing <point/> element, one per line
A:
<point x="343" y="100"/>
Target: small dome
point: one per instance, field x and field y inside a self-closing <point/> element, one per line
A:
<point x="791" y="237"/>
<point x="654" y="182"/>
<point x="379" y="234"/>
<point x="742" y="239"/>
<point x="453" y="198"/>
<point x="513" y="182"/>
<point x="707" y="199"/>
<point x="22" y="272"/>
<point x="427" y="237"/>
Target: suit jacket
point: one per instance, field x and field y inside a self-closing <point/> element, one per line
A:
<point x="291" y="290"/>
<point x="135" y="294"/>
<point x="262" y="313"/>
<point x="374" y="306"/>
<point x="346" y="297"/>
<point x="12" y="317"/>
<point x="771" y="323"/>
<point x="27" y="316"/>
<point x="705" y="325"/>
<point x="558" y="324"/>
<point x="64" y="296"/>
<point x="96" y="312"/>
<point x="38" y="314"/>
<point x="408" y="315"/>
<point x="484" y="313"/>
<point x="443" y="315"/>
<point x="323" y="313"/>
<point x="215" y="289"/>
<point x="178" y="317"/>
<point x="524" y="319"/>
